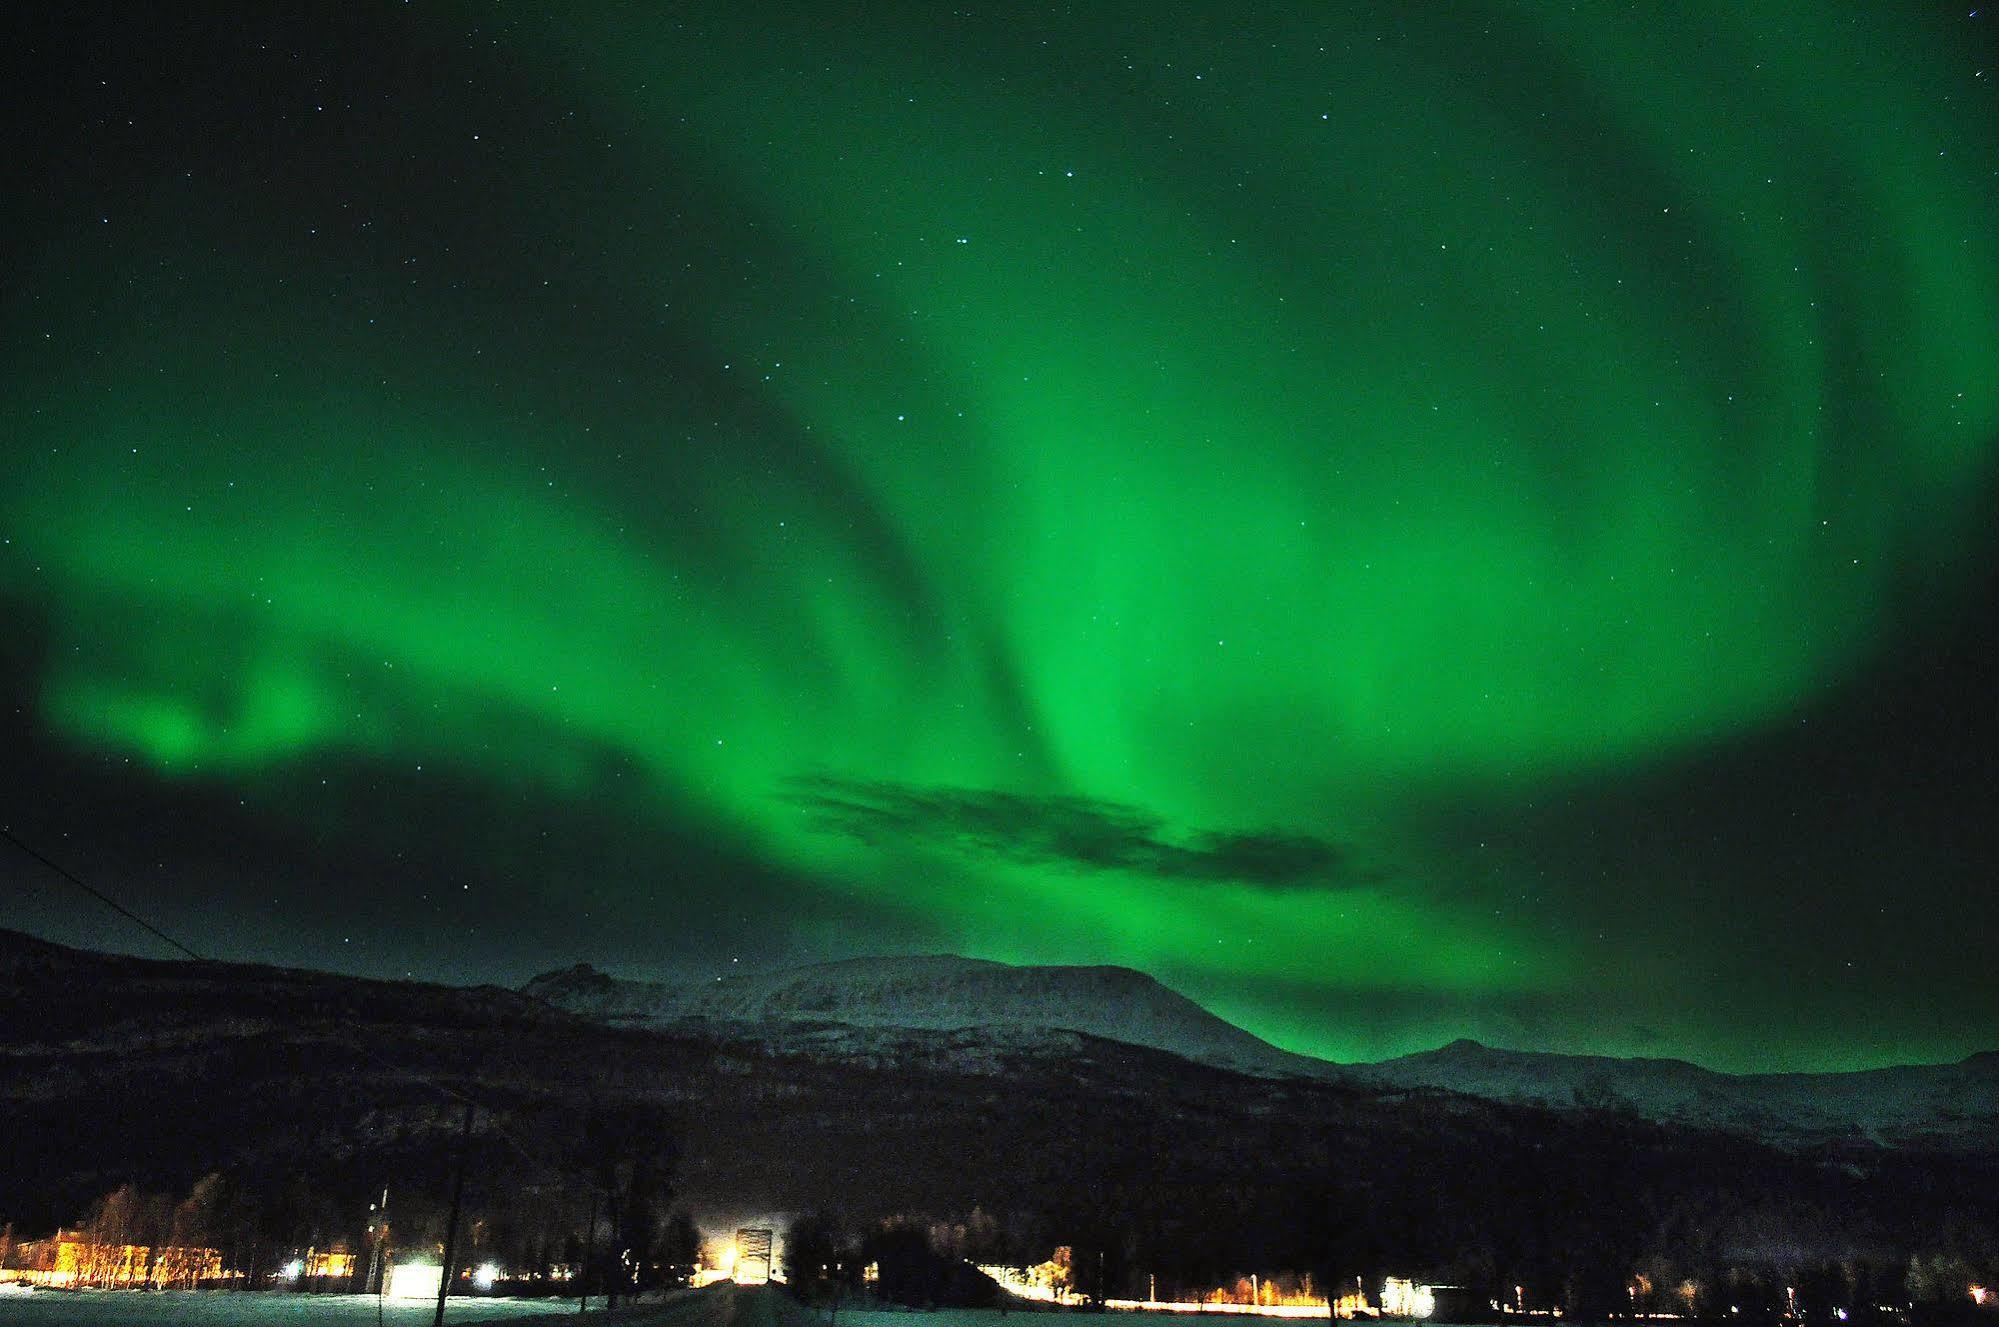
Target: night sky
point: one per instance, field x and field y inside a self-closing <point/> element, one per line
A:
<point x="1400" y="521"/>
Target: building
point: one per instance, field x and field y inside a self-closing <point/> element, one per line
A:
<point x="753" y="1256"/>
<point x="334" y="1263"/>
<point x="70" y="1259"/>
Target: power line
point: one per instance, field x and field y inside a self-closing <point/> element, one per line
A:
<point x="98" y="894"/>
<point x="361" y="1045"/>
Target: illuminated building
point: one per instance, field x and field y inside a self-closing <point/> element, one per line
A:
<point x="71" y="1258"/>
<point x="1281" y="1296"/>
<point x="334" y="1262"/>
<point x="716" y="1263"/>
<point x="753" y="1256"/>
<point x="415" y="1280"/>
<point x="1287" y="1297"/>
<point x="1403" y="1298"/>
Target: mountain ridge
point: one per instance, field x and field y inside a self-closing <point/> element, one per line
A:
<point x="981" y="1014"/>
<point x="1933" y="1104"/>
<point x="156" y="1072"/>
<point x="934" y="992"/>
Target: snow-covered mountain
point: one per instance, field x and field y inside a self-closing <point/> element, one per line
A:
<point x="852" y="1009"/>
<point x="171" y="1070"/>
<point x="938" y="992"/>
<point x="1903" y="1103"/>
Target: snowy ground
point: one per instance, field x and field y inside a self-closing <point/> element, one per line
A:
<point x="1031" y="1318"/>
<point x="117" y="1308"/>
<point x="954" y="1318"/>
<point x="719" y="1306"/>
<point x="1043" y="1318"/>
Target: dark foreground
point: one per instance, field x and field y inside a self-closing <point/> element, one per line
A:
<point x="126" y="1308"/>
<point x="721" y="1305"/>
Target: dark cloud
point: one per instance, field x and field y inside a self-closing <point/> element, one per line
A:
<point x="1077" y="832"/>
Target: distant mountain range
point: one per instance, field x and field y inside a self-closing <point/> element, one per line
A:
<point x="829" y="1005"/>
<point x="1919" y="1103"/>
<point x="1067" y="1103"/>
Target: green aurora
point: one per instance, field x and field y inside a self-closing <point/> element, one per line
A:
<point x="1093" y="488"/>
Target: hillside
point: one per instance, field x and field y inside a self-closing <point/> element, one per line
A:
<point x="1940" y="1105"/>
<point x="319" y="1090"/>
<point x="942" y="993"/>
<point x="831" y="1008"/>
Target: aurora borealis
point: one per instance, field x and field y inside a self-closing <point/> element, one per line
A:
<point x="1453" y="521"/>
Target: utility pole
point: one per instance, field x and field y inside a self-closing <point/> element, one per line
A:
<point x="378" y="1234"/>
<point x="589" y="1244"/>
<point x="618" y="1203"/>
<point x="378" y="1272"/>
<point x="451" y="1224"/>
<point x="616" y="1270"/>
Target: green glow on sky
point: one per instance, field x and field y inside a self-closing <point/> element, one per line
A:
<point x="1276" y="425"/>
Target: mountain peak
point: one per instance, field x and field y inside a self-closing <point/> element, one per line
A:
<point x="933" y="992"/>
<point x="564" y="984"/>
